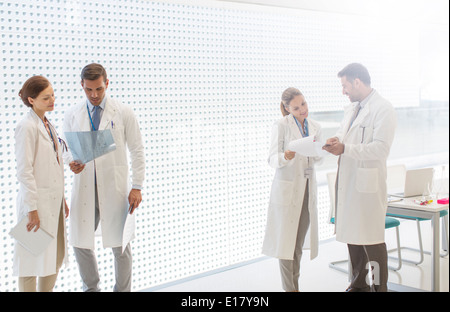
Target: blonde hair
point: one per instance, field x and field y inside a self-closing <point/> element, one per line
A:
<point x="288" y="95"/>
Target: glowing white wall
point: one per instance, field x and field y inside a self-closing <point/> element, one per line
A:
<point x="205" y="83"/>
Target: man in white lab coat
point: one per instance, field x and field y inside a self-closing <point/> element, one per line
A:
<point x="363" y="143"/>
<point x="101" y="192"/>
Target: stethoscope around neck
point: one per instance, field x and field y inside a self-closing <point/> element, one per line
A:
<point x="50" y="133"/>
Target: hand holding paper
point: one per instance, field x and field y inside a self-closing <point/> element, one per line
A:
<point x="134" y="199"/>
<point x="76" y="167"/>
<point x="307" y="147"/>
<point x="88" y="145"/>
<point x="333" y="146"/>
<point x="288" y="155"/>
<point x="33" y="241"/>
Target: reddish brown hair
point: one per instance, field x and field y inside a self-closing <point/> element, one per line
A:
<point x="32" y="87"/>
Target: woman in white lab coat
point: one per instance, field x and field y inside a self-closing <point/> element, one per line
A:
<point x="293" y="198"/>
<point x="40" y="173"/>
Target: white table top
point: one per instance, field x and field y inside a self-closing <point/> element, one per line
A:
<point x="410" y="204"/>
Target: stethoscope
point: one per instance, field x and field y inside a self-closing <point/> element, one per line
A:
<point x="50" y="133"/>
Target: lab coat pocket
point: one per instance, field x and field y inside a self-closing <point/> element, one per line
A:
<point x="367" y="180"/>
<point x="282" y="192"/>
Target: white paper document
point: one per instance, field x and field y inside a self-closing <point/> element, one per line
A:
<point x="88" y="145"/>
<point x="307" y="147"/>
<point x="128" y="230"/>
<point x="34" y="242"/>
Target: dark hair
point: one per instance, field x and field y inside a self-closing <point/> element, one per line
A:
<point x="93" y="72"/>
<point x="355" y="70"/>
<point x="288" y="95"/>
<point x="32" y="87"/>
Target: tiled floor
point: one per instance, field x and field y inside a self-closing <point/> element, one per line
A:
<point x="263" y="274"/>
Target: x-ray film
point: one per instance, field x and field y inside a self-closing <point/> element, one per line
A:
<point x="88" y="145"/>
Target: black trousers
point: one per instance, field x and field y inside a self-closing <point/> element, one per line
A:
<point x="363" y="257"/>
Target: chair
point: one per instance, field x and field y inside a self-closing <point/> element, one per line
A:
<point x="396" y="180"/>
<point x="389" y="223"/>
<point x="444" y="216"/>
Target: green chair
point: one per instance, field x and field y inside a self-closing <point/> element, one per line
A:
<point x="444" y="216"/>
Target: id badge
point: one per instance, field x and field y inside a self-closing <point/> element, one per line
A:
<point x="308" y="173"/>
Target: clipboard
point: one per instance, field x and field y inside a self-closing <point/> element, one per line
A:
<point x="34" y="242"/>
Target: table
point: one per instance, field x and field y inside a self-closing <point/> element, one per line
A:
<point x="407" y="207"/>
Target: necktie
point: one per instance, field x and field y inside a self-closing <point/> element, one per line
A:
<point x="96" y="117"/>
<point x="357" y="108"/>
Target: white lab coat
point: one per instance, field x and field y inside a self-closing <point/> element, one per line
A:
<point x="361" y="189"/>
<point x="288" y="189"/>
<point x="41" y="188"/>
<point x="112" y="171"/>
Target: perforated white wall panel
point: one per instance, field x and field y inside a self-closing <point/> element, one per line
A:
<point x="205" y="81"/>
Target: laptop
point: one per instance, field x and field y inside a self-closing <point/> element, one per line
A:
<point x="417" y="183"/>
